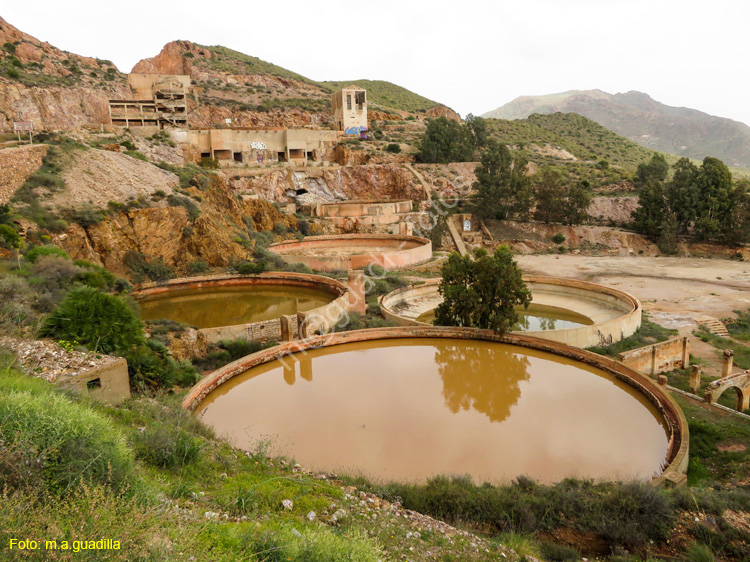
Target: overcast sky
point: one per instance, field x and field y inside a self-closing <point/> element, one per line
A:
<point x="472" y="55"/>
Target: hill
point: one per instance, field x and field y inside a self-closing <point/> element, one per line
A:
<point x="386" y="94"/>
<point x="635" y="115"/>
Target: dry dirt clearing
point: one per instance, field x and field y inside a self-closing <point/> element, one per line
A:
<point x="675" y="292"/>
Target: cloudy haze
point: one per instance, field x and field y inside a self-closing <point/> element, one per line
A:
<point x="473" y="55"/>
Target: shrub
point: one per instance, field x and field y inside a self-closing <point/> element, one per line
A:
<point x="95" y="276"/>
<point x="559" y="552"/>
<point x="73" y="442"/>
<point x="53" y="273"/>
<point x="558" y="238"/>
<point x="85" y="216"/>
<point x="279" y="228"/>
<point x="227" y="351"/>
<point x="198" y="266"/>
<point x="166" y="447"/>
<point x="393" y="147"/>
<point x="209" y="163"/>
<point x="37" y="251"/>
<point x="249" y="268"/>
<point x="9" y="238"/>
<point x="141" y="267"/>
<point x="192" y="209"/>
<point x="103" y="323"/>
<point x="304" y="227"/>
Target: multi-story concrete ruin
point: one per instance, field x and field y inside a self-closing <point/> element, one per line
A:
<point x="349" y="107"/>
<point x="160" y="100"/>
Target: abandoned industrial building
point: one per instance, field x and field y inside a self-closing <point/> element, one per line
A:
<point x="160" y="100"/>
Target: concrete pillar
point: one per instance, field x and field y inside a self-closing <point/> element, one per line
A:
<point x="662" y="380"/>
<point x="303" y="326"/>
<point x="356" y="284"/>
<point x="287" y="327"/>
<point x="726" y="368"/>
<point x="685" y="353"/>
<point x="743" y="400"/>
<point x="406" y="229"/>
<point x="695" y="379"/>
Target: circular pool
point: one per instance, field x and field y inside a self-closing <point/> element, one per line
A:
<point x="413" y="402"/>
<point x="355" y="251"/>
<point x="565" y="310"/>
<point x="226" y="306"/>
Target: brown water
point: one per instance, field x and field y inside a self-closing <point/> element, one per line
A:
<point x="210" y="307"/>
<point x="409" y="409"/>
<point x="538" y="317"/>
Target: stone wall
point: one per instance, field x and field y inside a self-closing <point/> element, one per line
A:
<point x="658" y="358"/>
<point x="16" y="165"/>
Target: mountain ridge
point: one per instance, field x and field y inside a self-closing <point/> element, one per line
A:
<point x="637" y="116"/>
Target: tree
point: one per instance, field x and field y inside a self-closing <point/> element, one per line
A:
<point x="576" y="204"/>
<point x="446" y="141"/>
<point x="478" y="128"/>
<point x="714" y="208"/>
<point x="648" y="217"/>
<point x="502" y="189"/>
<point x="548" y="201"/>
<point x="482" y="292"/>
<point x="681" y="194"/>
<point x="655" y="169"/>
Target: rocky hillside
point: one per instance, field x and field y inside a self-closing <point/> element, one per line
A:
<point x="52" y="88"/>
<point x="635" y="115"/>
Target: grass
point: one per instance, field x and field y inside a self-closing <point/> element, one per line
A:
<point x="646" y="334"/>
<point x="741" y="351"/>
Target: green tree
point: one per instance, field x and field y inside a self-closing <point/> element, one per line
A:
<point x="648" y="217"/>
<point x="502" y="190"/>
<point x="548" y="189"/>
<point x="478" y="128"/>
<point x="576" y="204"/>
<point x="446" y="141"/>
<point x="655" y="169"/>
<point x="681" y="194"/>
<point x="481" y="292"/>
<point x="714" y="209"/>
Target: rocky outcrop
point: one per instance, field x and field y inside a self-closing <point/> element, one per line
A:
<point x="54" y="89"/>
<point x="165" y="234"/>
<point x="442" y="111"/>
<point x="16" y="165"/>
<point x="170" y="60"/>
<point x="387" y="181"/>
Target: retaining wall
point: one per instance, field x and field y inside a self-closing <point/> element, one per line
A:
<point x="321" y="318"/>
<point x="659" y="357"/>
<point x="677" y="455"/>
<point x="109" y="383"/>
<point x="615" y="314"/>
<point x="407" y="250"/>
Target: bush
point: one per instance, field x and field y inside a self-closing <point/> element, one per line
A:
<point x="198" y="266"/>
<point x="249" y="268"/>
<point x="9" y="238"/>
<point x="227" y="351"/>
<point x="279" y="228"/>
<point x="101" y="322"/>
<point x="85" y="216"/>
<point x="209" y="163"/>
<point x="53" y="273"/>
<point x="559" y="553"/>
<point x="95" y="276"/>
<point x="141" y="267"/>
<point x="73" y="443"/>
<point x="166" y="447"/>
<point x="558" y="238"/>
<point x="192" y="209"/>
<point x="304" y="227"/>
<point x="393" y="147"/>
<point x="37" y="251"/>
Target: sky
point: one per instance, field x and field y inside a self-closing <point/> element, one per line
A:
<point x="473" y="55"/>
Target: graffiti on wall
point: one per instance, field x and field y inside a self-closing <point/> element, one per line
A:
<point x="255" y="145"/>
<point x="355" y="130"/>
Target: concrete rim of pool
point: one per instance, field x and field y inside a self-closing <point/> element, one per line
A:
<point x="387" y="250"/>
<point x="677" y="453"/>
<point x="322" y="317"/>
<point x="614" y="314"/>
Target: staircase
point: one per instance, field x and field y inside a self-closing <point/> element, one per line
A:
<point x="714" y="325"/>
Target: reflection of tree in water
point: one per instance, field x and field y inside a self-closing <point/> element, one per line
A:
<point x="482" y="377"/>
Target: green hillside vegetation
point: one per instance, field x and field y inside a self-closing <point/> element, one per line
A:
<point x="386" y="94"/>
<point x="580" y="136"/>
<point x="228" y="60"/>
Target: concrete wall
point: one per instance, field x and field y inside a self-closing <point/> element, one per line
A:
<point x="614" y="313"/>
<point x="407" y="250"/>
<point x="660" y="357"/>
<point x="674" y="419"/>
<point x="16" y="165"/>
<point x="259" y="145"/>
<point x="142" y="85"/>
<point x="321" y="318"/>
<point x="109" y="383"/>
<point x="350" y="120"/>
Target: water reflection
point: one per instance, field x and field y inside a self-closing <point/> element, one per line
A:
<point x="483" y="378"/>
<point x="209" y="307"/>
<point x="537" y="317"/>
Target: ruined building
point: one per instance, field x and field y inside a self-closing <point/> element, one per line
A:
<point x="349" y="107"/>
<point x="160" y="100"/>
